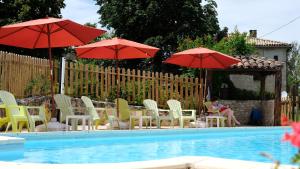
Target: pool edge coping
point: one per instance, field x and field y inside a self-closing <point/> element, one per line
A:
<point x="192" y="162"/>
<point x="5" y="140"/>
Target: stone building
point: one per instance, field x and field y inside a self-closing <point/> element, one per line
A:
<point x="266" y="49"/>
<point x="260" y="69"/>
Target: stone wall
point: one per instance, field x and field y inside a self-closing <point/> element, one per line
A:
<point x="242" y="110"/>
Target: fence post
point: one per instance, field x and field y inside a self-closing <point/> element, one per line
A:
<point x="62" y="76"/>
<point x="144" y="84"/>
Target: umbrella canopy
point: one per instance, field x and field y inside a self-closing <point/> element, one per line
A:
<point x="202" y="58"/>
<point x="34" y="34"/>
<point x="47" y="33"/>
<point x="116" y="49"/>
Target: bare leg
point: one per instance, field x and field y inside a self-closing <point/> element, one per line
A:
<point x="234" y="119"/>
<point x="228" y="113"/>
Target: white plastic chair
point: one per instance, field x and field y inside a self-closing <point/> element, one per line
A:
<point x="175" y="108"/>
<point x="152" y="107"/>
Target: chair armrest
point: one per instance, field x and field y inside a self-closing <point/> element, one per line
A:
<point x="165" y="110"/>
<point x="190" y="110"/>
<point x="100" y="109"/>
<point x="33" y="107"/>
<point x="15" y="106"/>
<point x="81" y="110"/>
<point x="21" y="108"/>
<point x="78" y="108"/>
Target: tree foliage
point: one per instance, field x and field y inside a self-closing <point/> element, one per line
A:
<point x="159" y="22"/>
<point x="235" y="44"/>
<point x="293" y="65"/>
<point x="12" y="11"/>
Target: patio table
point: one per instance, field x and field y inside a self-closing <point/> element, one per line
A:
<point x="139" y="114"/>
<point x="220" y="120"/>
<point x="83" y="118"/>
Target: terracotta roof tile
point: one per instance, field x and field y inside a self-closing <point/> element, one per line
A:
<point x="257" y="62"/>
<point x="266" y="43"/>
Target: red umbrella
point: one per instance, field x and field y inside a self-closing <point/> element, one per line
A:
<point x="116" y="49"/>
<point x="202" y="58"/>
<point x="47" y="33"/>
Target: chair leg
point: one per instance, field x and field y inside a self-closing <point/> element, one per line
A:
<point x="172" y="123"/>
<point x="46" y="126"/>
<point x="181" y="121"/>
<point x="14" y="126"/>
<point x="31" y="125"/>
<point x="27" y="125"/>
<point x="97" y="124"/>
<point x="21" y="125"/>
<point x="7" y="127"/>
<point x="158" y="123"/>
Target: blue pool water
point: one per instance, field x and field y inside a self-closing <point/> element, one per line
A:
<point x="126" y="146"/>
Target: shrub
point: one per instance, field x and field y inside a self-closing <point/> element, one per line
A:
<point x="40" y="85"/>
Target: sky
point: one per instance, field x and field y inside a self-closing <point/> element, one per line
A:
<point x="264" y="16"/>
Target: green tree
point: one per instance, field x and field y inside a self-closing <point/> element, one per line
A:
<point x="159" y="22"/>
<point x="12" y="11"/>
<point x="235" y="44"/>
<point x="293" y="65"/>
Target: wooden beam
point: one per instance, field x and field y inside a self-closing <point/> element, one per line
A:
<point x="262" y="87"/>
<point x="277" y="105"/>
<point x="249" y="71"/>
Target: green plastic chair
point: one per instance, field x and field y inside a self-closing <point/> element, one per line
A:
<point x="20" y="112"/>
<point x="40" y="117"/>
<point x="124" y="113"/>
<point x="3" y="120"/>
<point x="92" y="111"/>
<point x="152" y="107"/>
<point x="209" y="110"/>
<point x="214" y="112"/>
<point x="175" y="108"/>
<point x="16" y="115"/>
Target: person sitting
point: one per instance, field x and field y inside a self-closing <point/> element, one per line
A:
<point x="225" y="111"/>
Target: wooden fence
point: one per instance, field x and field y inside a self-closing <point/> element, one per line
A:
<point x="100" y="82"/>
<point x="16" y="71"/>
<point x="290" y="107"/>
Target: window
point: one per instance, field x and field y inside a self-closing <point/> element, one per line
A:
<point x="276" y="57"/>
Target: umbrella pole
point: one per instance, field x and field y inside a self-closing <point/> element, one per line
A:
<point x="118" y="85"/>
<point x="205" y="84"/>
<point x="200" y="95"/>
<point x="51" y="69"/>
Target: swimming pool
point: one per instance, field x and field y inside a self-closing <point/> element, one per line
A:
<point x="127" y="146"/>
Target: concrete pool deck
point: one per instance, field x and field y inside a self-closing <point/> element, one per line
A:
<point x="187" y="162"/>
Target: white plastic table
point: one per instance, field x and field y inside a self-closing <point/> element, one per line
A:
<point x="140" y="118"/>
<point x="83" y="118"/>
<point x="209" y="121"/>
